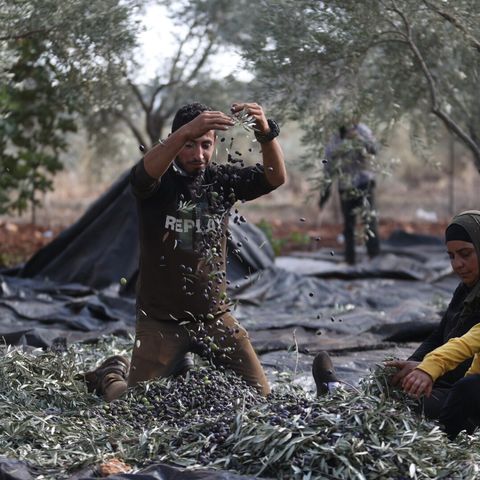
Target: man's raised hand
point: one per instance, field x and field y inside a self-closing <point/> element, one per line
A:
<point x="255" y="111"/>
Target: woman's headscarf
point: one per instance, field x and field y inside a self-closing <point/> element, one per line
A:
<point x="470" y="222"/>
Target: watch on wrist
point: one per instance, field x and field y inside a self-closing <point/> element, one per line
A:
<point x="268" y="137"/>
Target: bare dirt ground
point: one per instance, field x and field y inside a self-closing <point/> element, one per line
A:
<point x="19" y="241"/>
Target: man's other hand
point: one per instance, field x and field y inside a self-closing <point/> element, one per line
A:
<point x="206" y="121"/>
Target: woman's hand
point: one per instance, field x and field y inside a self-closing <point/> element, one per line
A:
<point x="417" y="383"/>
<point x="404" y="367"/>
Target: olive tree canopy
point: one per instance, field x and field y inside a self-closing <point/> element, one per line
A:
<point x="383" y="59"/>
<point x="56" y="58"/>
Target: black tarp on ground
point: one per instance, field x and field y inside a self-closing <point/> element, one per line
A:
<point x="403" y="256"/>
<point x="272" y="300"/>
<point x="274" y="304"/>
<point x="36" y="313"/>
<point x="17" y="470"/>
<point x="100" y="247"/>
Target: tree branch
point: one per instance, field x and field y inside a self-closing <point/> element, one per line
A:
<point x="138" y="94"/>
<point x="416" y="52"/>
<point x="158" y="90"/>
<point x="435" y="107"/>
<point x="156" y="117"/>
<point x="178" y="55"/>
<point x="136" y="132"/>
<point x="206" y="52"/>
<point x="21" y="36"/>
<point x="455" y="22"/>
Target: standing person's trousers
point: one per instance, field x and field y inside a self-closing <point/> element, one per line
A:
<point x="352" y="200"/>
<point x="161" y="349"/>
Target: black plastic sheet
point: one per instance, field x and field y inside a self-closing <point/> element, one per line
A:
<point x="17" y="470"/>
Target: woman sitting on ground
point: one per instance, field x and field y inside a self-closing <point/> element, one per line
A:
<point x="462" y="238"/>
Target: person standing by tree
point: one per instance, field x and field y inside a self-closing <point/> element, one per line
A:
<point x="347" y="156"/>
<point x="184" y="201"/>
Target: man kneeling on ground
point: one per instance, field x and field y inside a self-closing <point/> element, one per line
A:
<point x="184" y="202"/>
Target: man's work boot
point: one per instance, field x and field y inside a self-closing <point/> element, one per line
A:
<point x="323" y="373"/>
<point x="113" y="369"/>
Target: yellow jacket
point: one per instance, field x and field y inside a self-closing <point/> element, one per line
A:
<point x="455" y="351"/>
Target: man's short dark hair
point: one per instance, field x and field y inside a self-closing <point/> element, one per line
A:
<point x="187" y="113"/>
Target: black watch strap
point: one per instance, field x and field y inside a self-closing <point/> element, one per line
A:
<point x="273" y="133"/>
